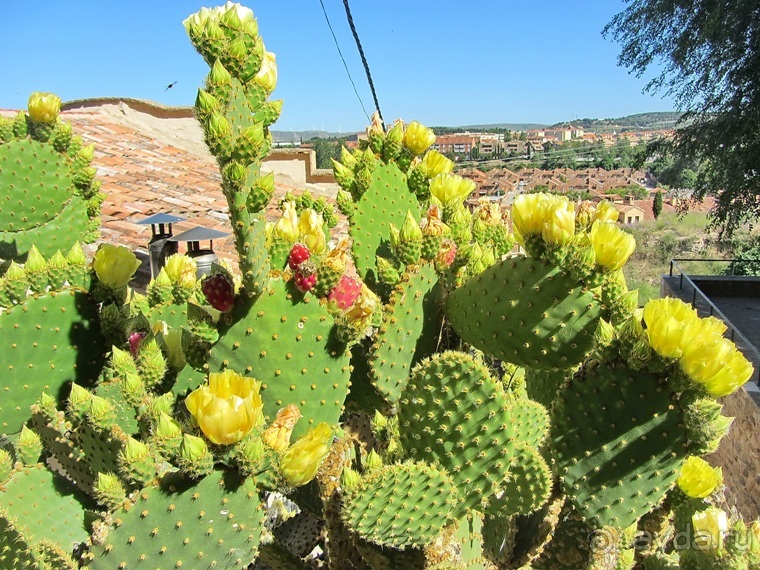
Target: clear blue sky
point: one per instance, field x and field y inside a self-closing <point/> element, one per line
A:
<point x="446" y="62"/>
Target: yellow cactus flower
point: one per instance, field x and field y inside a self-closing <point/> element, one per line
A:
<point x="698" y="479"/>
<point x="612" y="245"/>
<point x="277" y="435"/>
<point x="301" y="461"/>
<point x="710" y="527"/>
<point x="668" y="321"/>
<point x="434" y="163"/>
<point x="44" y="107"/>
<point x="528" y="213"/>
<point x="337" y="258"/>
<point x="178" y="265"/>
<point x="227" y="407"/>
<point x="115" y="265"/>
<point x="451" y="189"/>
<point x="310" y="227"/>
<point x="286" y="228"/>
<point x="606" y="212"/>
<point x="267" y="75"/>
<point x="418" y="138"/>
<point x="559" y="223"/>
<point x="718" y="366"/>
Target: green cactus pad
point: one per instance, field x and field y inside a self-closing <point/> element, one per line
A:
<point x="46" y="342"/>
<point x="386" y="201"/>
<point x="529" y="485"/>
<point x="531" y="420"/>
<point x="14" y="549"/>
<point x="404" y="505"/>
<point x="455" y="414"/>
<point x="287" y="341"/>
<point x="409" y="331"/>
<point x="35" y="184"/>
<point x="544" y="385"/>
<point x="212" y="523"/>
<point x="618" y="442"/>
<point x="528" y="312"/>
<point x="45" y="505"/>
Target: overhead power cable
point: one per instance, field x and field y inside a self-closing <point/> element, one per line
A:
<point x="340" y="53"/>
<point x="364" y="60"/>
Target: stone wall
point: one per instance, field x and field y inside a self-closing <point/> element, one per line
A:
<point x="739" y="455"/>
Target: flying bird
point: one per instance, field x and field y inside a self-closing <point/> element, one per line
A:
<point x="170" y="86"/>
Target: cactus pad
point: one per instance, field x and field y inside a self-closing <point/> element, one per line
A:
<point x="212" y="523"/>
<point x="529" y="485"/>
<point x="386" y="201"/>
<point x="287" y="341"/>
<point x="454" y="414"/>
<point x="45" y="505"/>
<point x="619" y="443"/>
<point x="528" y="312"/>
<point x="409" y="331"/>
<point x="404" y="505"/>
<point x="47" y="341"/>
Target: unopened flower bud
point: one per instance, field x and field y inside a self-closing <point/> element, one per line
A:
<point x="109" y="490"/>
<point x="29" y="446"/>
<point x="349" y="479"/>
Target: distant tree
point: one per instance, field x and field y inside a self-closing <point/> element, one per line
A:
<point x="707" y="53"/>
<point x="657" y="204"/>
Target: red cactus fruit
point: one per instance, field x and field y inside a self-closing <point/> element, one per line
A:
<point x="134" y="342"/>
<point x="219" y="291"/>
<point x="298" y="255"/>
<point x="345" y="293"/>
<point x="305" y="281"/>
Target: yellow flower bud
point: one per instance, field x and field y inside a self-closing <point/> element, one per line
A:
<point x="267" y="75"/>
<point x="286" y="228"/>
<point x="418" y="138"/>
<point x="450" y="189"/>
<point x="300" y="462"/>
<point x="612" y="245"/>
<point x="115" y="265"/>
<point x="559" y="223"/>
<point x="667" y="323"/>
<point x="277" y="435"/>
<point x="178" y="265"/>
<point x="312" y="234"/>
<point x="44" y="107"/>
<point x="227" y="407"/>
<point x="434" y="164"/>
<point x="698" y="479"/>
<point x="710" y="527"/>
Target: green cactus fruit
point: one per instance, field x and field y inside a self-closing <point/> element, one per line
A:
<point x="6" y="465"/>
<point x="136" y="462"/>
<point x="705" y="425"/>
<point x="529" y="485"/>
<point x="386" y="201"/>
<point x="387" y="272"/>
<point x="526" y="311"/>
<point x="288" y="343"/>
<point x="408" y="332"/>
<point x="401" y="506"/>
<point x="56" y="271"/>
<point x="449" y="397"/>
<point x="36" y="270"/>
<point x="28" y="447"/>
<point x="46" y="506"/>
<point x="47" y="342"/>
<point x="215" y="522"/>
<point x="15" y="283"/>
<point x="618" y="441"/>
<point x="109" y="491"/>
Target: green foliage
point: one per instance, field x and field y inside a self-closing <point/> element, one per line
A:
<point x="657" y="204"/>
<point x="707" y="57"/>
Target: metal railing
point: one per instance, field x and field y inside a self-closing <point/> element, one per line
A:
<point x="698" y="295"/>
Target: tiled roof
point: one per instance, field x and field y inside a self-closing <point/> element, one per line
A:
<point x="142" y="173"/>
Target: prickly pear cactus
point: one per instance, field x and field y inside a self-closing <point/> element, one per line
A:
<point x="48" y="193"/>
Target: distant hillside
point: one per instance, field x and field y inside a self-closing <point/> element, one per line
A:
<point x="489" y="127"/>
<point x="640" y="121"/>
<point x="297" y="136"/>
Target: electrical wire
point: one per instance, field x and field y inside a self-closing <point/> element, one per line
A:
<point x="364" y="60"/>
<point x="344" y="62"/>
